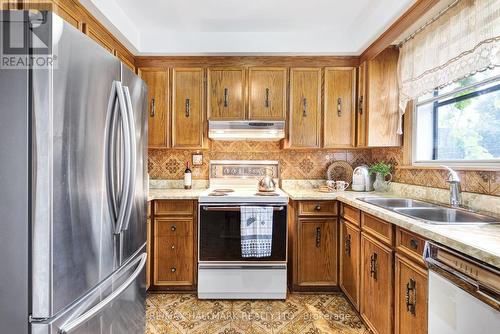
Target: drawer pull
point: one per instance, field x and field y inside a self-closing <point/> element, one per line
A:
<point x="414" y="244"/>
<point x="373" y="266"/>
<point x="318" y="207"/>
<point x="173" y="228"/>
<point x="318" y="237"/>
<point x="348" y="245"/>
<point x="173" y="269"/>
<point x="411" y="301"/>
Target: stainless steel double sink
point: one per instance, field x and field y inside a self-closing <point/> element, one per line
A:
<point x="428" y="212"/>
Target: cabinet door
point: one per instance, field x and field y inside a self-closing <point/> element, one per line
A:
<point x="226" y="94"/>
<point x="187" y="107"/>
<point x="340" y="112"/>
<point x="383" y="99"/>
<point x="376" y="284"/>
<point x="361" y="107"/>
<point x="173" y="254"/>
<point x="267" y="90"/>
<point x="157" y="81"/>
<point x="317" y="252"/>
<point x="148" y="251"/>
<point x="349" y="261"/>
<point x="305" y="107"/>
<point x="410" y="297"/>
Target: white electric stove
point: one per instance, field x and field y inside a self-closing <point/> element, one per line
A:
<point x="222" y="271"/>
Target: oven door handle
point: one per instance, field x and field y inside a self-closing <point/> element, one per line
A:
<point x="234" y="208"/>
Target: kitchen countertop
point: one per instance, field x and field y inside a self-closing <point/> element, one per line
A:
<point x="479" y="241"/>
<point x="174" y="193"/>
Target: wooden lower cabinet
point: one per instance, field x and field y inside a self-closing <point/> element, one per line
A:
<point x="410" y="295"/>
<point x="174" y="248"/>
<point x="317" y="252"/>
<point x="350" y="236"/>
<point x="377" y="279"/>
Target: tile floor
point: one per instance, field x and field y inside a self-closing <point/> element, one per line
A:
<point x="307" y="314"/>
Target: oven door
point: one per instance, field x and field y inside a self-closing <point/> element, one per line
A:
<point x="220" y="237"/>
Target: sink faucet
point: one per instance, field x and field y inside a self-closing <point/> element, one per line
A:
<point x="455" y="191"/>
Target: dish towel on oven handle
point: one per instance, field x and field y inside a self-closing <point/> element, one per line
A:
<point x="256" y="231"/>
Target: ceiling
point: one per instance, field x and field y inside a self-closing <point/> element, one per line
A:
<point x="194" y="27"/>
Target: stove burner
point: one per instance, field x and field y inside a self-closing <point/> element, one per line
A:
<point x="223" y="190"/>
<point x="217" y="194"/>
<point x="266" y="194"/>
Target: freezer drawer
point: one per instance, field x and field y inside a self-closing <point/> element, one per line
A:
<point x="117" y="306"/>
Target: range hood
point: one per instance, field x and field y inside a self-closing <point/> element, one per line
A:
<point x="246" y="130"/>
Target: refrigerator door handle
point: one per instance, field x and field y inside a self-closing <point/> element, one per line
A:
<point x="126" y="157"/>
<point x="109" y="151"/>
<point x="133" y="159"/>
<point x="70" y="326"/>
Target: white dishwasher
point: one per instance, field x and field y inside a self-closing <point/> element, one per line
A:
<point x="464" y="294"/>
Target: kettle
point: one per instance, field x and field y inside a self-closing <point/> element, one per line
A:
<point x="267" y="183"/>
<point x="361" y="179"/>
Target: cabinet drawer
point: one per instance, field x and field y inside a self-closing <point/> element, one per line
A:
<point x="410" y="244"/>
<point x="173" y="227"/>
<point x="350" y="213"/>
<point x="174" y="207"/>
<point x="378" y="228"/>
<point x="174" y="261"/>
<point x="318" y="208"/>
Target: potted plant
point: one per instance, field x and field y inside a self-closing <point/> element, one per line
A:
<point x="381" y="170"/>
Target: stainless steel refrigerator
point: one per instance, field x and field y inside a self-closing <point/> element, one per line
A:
<point x="73" y="178"/>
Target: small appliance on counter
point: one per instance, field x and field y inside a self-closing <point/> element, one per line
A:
<point x="361" y="179"/>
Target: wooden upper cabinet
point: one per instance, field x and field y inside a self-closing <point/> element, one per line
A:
<point x="317" y="252"/>
<point x="267" y="93"/>
<point x="158" y="121"/>
<point x="339" y="107"/>
<point x="376" y="284"/>
<point x="187" y="107"/>
<point x="226" y="93"/>
<point x="305" y="108"/>
<point x="380" y="97"/>
<point x="410" y="295"/>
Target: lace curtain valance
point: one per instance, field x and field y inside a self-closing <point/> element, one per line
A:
<point x="463" y="41"/>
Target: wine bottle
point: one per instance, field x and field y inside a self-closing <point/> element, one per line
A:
<point x="187" y="177"/>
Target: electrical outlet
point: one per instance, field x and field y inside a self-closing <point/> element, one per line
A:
<point x="197" y="159"/>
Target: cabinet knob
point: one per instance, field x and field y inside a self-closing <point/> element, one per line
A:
<point x="414" y="244"/>
<point x="173" y="247"/>
<point x="173" y="269"/>
<point x="173" y="228"/>
<point x="318" y="207"/>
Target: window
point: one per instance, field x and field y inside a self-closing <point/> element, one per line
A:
<point x="460" y="123"/>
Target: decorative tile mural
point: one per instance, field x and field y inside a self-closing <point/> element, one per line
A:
<point x="311" y="164"/>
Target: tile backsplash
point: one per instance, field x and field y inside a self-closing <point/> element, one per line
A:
<point x="169" y="164"/>
<point x="294" y="164"/>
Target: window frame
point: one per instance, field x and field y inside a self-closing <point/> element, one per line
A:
<point x="489" y="164"/>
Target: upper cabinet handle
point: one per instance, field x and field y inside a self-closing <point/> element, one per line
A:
<point x="360" y="104"/>
<point x="266" y="102"/>
<point x="152" y="111"/>
<point x="226" y="102"/>
<point x="187" y="107"/>
<point x="304" y="107"/>
<point x="339" y="107"/>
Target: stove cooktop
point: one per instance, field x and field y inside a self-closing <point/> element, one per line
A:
<point x="243" y="195"/>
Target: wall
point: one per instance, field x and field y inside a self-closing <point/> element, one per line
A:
<point x="295" y="164"/>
